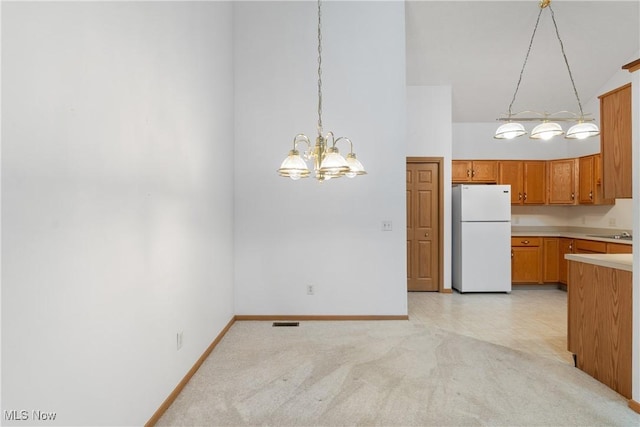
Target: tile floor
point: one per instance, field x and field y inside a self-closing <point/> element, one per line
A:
<point x="529" y="320"/>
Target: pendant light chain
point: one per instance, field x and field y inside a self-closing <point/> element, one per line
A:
<point x="566" y="61"/>
<point x="319" y="71"/>
<point x="526" y="58"/>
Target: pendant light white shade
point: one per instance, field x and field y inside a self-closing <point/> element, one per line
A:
<point x="582" y="130"/>
<point x="355" y="167"/>
<point x="293" y="166"/>
<point x="509" y="131"/>
<point x="546" y="131"/>
<point x="333" y="164"/>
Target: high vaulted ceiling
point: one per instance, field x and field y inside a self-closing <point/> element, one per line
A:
<point x="478" y="47"/>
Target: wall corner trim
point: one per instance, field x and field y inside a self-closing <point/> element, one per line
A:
<point x="176" y="391"/>
<point x="634" y="405"/>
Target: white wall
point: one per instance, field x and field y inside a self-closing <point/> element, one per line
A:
<point x="429" y="135"/>
<point x="117" y="222"/>
<point x="293" y="233"/>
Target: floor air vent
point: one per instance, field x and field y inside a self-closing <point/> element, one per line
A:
<point x="286" y="323"/>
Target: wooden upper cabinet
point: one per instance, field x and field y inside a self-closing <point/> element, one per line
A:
<point x="534" y="182"/>
<point x="527" y="179"/>
<point x="474" y="171"/>
<point x="511" y="172"/>
<point x="461" y="170"/>
<point x="590" y="181"/>
<point x="562" y="181"/>
<point x="615" y="142"/>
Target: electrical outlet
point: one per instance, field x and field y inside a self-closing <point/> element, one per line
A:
<point x="612" y="222"/>
<point x="310" y="290"/>
<point x="387" y="225"/>
<point x="179" y="340"/>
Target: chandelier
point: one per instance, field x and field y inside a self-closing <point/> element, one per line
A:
<point x="549" y="126"/>
<point x="327" y="161"/>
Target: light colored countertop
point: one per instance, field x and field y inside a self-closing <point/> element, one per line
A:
<point x="585" y="234"/>
<point x="617" y="261"/>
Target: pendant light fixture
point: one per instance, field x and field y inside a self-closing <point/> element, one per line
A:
<point x="327" y="161"/>
<point x="549" y="126"/>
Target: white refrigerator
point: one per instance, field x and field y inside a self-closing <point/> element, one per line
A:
<point x="481" y="238"/>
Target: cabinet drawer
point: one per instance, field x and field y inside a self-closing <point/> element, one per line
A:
<point x="619" y="248"/>
<point x="526" y="241"/>
<point x="590" y="246"/>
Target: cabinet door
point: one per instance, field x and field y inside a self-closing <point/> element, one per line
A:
<point x="551" y="260"/>
<point x="535" y="184"/>
<point x="598" y="190"/>
<point x="484" y="171"/>
<point x="526" y="264"/>
<point x="615" y="142"/>
<point x="460" y="171"/>
<point x="587" y="180"/>
<point x="510" y="172"/>
<point x="565" y="247"/>
<point x="590" y="247"/>
<point x="562" y="182"/>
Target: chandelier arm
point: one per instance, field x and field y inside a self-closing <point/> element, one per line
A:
<point x="301" y="137"/>
<point x="333" y="139"/>
<point x="319" y="68"/>
<point x="533" y="35"/>
<point x="566" y="61"/>
<point x="346" y="139"/>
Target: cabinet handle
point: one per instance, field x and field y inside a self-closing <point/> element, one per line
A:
<point x="426" y="234"/>
<point x="573" y="196"/>
<point x="526" y="242"/>
<point x="468" y="173"/>
<point x="525" y="197"/>
<point x="519" y="196"/>
<point x="473" y="173"/>
<point x="590" y="195"/>
<point x="571" y="247"/>
<point x="511" y="254"/>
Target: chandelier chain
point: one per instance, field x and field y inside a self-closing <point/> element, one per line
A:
<point x="566" y="61"/>
<point x="526" y="58"/>
<point x="319" y="70"/>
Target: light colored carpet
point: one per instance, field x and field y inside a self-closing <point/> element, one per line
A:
<point x="391" y="373"/>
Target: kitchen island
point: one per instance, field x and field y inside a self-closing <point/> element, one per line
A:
<point x="600" y="317"/>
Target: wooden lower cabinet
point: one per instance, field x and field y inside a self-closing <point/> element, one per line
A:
<point x="565" y="247"/>
<point x="551" y="260"/>
<point x="599" y="329"/>
<point x="526" y="260"/>
<point x="590" y="247"/>
<point x="619" y="248"/>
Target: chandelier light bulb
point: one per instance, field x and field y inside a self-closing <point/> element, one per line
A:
<point x="582" y="130"/>
<point x="546" y="131"/>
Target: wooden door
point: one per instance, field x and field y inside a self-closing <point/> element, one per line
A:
<point x="526" y="264"/>
<point x="562" y="182"/>
<point x="587" y="180"/>
<point x="566" y="247"/>
<point x="510" y="173"/>
<point x="615" y="142"/>
<point x="551" y="263"/>
<point x="423" y="246"/>
<point x="535" y="182"/>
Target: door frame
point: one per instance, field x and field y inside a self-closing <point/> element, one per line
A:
<point x="440" y="162"/>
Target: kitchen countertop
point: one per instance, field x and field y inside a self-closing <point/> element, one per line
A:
<point x="585" y="234"/>
<point x="617" y="261"/>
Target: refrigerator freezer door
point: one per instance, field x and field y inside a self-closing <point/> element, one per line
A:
<point x="485" y="256"/>
<point x="485" y="202"/>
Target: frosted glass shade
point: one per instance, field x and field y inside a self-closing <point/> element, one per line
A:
<point x="293" y="166"/>
<point x="509" y="131"/>
<point x="546" y="131"/>
<point x="333" y="164"/>
<point x="355" y="167"/>
<point x="582" y="130"/>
